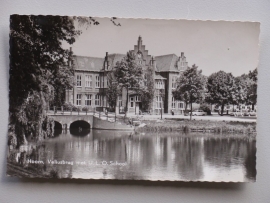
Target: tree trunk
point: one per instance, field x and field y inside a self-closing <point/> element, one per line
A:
<point x="190" y="110"/>
<point x="115" y="110"/>
<point x="222" y="109"/>
<point x="186" y="103"/>
<point x="126" y="105"/>
<point x="161" y="107"/>
<point x="20" y="134"/>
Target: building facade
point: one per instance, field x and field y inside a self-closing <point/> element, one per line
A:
<point x="91" y="81"/>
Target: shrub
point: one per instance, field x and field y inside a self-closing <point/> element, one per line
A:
<point x="68" y="106"/>
<point x="85" y="108"/>
<point x="205" y="108"/>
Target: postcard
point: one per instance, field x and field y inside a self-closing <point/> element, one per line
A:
<point x="132" y="99"/>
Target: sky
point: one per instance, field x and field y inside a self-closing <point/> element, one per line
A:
<point x="211" y="45"/>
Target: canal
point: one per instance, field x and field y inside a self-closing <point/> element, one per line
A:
<point x="103" y="154"/>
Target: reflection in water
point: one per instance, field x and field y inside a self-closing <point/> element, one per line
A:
<point x="79" y="131"/>
<point x="123" y="155"/>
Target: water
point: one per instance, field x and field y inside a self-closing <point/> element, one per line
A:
<point x="102" y="154"/>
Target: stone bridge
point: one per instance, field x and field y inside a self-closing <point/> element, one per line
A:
<point x="66" y="121"/>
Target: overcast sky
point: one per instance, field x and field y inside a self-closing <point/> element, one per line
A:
<point x="211" y="45"/>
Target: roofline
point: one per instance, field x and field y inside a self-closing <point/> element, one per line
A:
<point x="175" y="71"/>
<point x="88" y="56"/>
<point x="85" y="70"/>
<point x="166" y="55"/>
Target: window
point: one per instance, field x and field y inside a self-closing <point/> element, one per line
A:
<point x="88" y="80"/>
<point x="79" y="80"/>
<point x="173" y="82"/>
<point x="137" y="98"/>
<point x="158" y="102"/>
<point x="97" y="100"/>
<point x="119" y="101"/>
<point x="159" y="84"/>
<point x="102" y="80"/>
<point x="173" y="103"/>
<point x="131" y="101"/>
<point x="97" y="81"/>
<point x="79" y="100"/>
<point x="180" y="105"/>
<point x="88" y="100"/>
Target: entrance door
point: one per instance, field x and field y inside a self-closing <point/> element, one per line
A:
<point x="137" y="108"/>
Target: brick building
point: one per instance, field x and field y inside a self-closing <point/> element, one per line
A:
<point x="91" y="80"/>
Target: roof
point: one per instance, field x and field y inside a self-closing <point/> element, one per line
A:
<point x="113" y="58"/>
<point x="88" y="63"/>
<point x="95" y="63"/>
<point x="166" y="63"/>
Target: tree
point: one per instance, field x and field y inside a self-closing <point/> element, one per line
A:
<point x="38" y="64"/>
<point x="190" y="86"/>
<point x="148" y="89"/>
<point x="221" y="89"/>
<point x="252" y="88"/>
<point x="183" y="96"/>
<point x="240" y="90"/>
<point x="112" y="91"/>
<point x="39" y="70"/>
<point x="128" y="75"/>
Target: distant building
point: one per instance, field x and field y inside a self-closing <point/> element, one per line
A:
<point x="91" y="80"/>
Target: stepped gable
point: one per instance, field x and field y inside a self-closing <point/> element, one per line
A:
<point x="88" y="63"/>
<point x="167" y="63"/>
<point x="140" y="48"/>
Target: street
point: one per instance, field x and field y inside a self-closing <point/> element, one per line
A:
<point x="213" y="117"/>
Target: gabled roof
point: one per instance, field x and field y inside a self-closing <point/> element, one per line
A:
<point x="95" y="63"/>
<point x="88" y="63"/>
<point x="166" y="63"/>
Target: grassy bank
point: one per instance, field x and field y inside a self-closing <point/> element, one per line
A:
<point x="187" y="126"/>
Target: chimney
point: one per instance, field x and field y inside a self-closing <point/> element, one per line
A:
<point x="182" y="54"/>
<point x="153" y="62"/>
<point x="106" y="62"/>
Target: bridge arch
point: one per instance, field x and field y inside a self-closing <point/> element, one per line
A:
<point x="80" y="127"/>
<point x="57" y="129"/>
<point x="80" y="124"/>
<point x="57" y="125"/>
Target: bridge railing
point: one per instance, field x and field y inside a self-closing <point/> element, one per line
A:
<point x="100" y="112"/>
<point x="72" y="111"/>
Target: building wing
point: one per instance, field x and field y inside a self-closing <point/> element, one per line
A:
<point x="167" y="63"/>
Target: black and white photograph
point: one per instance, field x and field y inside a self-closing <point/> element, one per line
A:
<point x="132" y="99"/>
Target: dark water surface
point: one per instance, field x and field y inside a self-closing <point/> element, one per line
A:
<point x="102" y="154"/>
